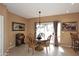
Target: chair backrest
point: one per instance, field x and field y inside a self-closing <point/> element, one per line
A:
<point x="30" y="41"/>
<point x="49" y="37"/>
<point x="20" y="36"/>
<point x="74" y="36"/>
<point x="48" y="40"/>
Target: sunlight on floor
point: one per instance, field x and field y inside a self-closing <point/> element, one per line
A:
<point x="52" y="49"/>
<point x="49" y="51"/>
<point x="61" y="49"/>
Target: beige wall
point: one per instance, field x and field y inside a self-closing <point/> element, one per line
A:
<point x="65" y="35"/>
<point x="3" y="12"/>
<point x="30" y="28"/>
<point x="9" y="34"/>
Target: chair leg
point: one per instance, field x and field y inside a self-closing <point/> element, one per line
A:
<point x="28" y="49"/>
<point x="46" y="50"/>
<point x="49" y="47"/>
<point x="32" y="51"/>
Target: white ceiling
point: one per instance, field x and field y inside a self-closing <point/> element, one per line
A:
<point x="30" y="10"/>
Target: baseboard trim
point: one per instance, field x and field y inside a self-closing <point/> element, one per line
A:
<point x="65" y="45"/>
<point x="8" y="50"/>
<point x="11" y="47"/>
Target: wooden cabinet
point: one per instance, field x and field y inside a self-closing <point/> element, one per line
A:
<point x="20" y="39"/>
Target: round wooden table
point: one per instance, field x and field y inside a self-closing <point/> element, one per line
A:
<point x="39" y="46"/>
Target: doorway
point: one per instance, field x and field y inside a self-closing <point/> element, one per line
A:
<point x="46" y="29"/>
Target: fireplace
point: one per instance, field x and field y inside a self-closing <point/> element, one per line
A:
<point x="20" y="39"/>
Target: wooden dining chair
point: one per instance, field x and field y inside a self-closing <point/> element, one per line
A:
<point x="75" y="41"/>
<point x="46" y="43"/>
<point x="31" y="43"/>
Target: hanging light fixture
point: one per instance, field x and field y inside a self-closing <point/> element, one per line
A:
<point x="39" y="47"/>
<point x="39" y="35"/>
<point x="39" y="16"/>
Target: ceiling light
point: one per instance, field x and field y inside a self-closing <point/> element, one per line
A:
<point x="39" y="17"/>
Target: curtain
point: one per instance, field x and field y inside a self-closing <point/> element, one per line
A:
<point x="55" y="32"/>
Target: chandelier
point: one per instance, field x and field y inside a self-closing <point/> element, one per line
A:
<point x="39" y="16"/>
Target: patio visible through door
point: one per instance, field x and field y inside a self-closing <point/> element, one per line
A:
<point x="47" y="29"/>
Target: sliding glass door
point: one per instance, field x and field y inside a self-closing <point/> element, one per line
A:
<point x="47" y="29"/>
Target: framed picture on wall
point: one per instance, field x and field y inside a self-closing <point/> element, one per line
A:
<point x="18" y="26"/>
<point x="69" y="26"/>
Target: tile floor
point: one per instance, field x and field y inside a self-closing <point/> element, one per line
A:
<point x="52" y="51"/>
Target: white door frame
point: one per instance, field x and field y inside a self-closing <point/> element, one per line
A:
<point x="1" y="35"/>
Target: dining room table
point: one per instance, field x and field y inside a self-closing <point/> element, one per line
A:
<point x="39" y="44"/>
